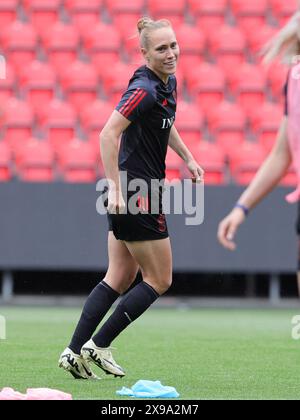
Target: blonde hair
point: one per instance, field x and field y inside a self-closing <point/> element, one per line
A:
<point x="146" y="25"/>
<point x="286" y="44"/>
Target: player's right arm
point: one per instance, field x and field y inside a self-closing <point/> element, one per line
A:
<point x="109" y="146"/>
<point x="266" y="179"/>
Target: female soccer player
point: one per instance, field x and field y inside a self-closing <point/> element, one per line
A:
<point x="145" y="119"/>
<point x="286" y="148"/>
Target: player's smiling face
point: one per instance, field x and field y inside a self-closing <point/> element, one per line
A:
<point x="162" y="53"/>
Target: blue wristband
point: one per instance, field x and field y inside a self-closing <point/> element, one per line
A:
<point x="244" y="208"/>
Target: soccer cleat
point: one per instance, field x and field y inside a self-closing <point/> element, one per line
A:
<point x="76" y="365"/>
<point x="102" y="358"/>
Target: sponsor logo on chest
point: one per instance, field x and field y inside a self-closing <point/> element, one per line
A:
<point x="167" y="122"/>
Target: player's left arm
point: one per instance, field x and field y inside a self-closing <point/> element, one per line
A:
<point x="176" y="143"/>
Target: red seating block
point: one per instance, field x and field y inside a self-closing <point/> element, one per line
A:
<point x="116" y="82"/>
<point x="245" y="162"/>
<point x="212" y="159"/>
<point x="19" y="42"/>
<point x="228" y="122"/>
<point x="18" y="122"/>
<point x="192" y="45"/>
<point x="189" y="122"/>
<point x="173" y="166"/>
<point x="78" y="162"/>
<point x="206" y="83"/>
<point x="284" y="9"/>
<point x="170" y="9"/>
<point x="94" y="117"/>
<point x="228" y="44"/>
<point x="250" y="15"/>
<point x="5" y="162"/>
<point x="8" y="12"/>
<point x="43" y="13"/>
<point x="84" y="13"/>
<point x="36" y="162"/>
<point x="248" y="83"/>
<point x="103" y="42"/>
<point x="7" y="85"/>
<point x="208" y="14"/>
<point x="265" y="123"/>
<point x="80" y="83"/>
<point x="61" y="43"/>
<point x="59" y="121"/>
<point x="258" y="38"/>
<point x="38" y="80"/>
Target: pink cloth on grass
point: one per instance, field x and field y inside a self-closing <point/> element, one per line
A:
<point x="294" y="126"/>
<point x="34" y="394"/>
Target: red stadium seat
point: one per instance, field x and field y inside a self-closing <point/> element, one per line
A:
<point x="43" y="13"/>
<point x="94" y="117"/>
<point x="19" y="41"/>
<point x="59" y="121"/>
<point x="120" y="6"/>
<point x="80" y="83"/>
<point x="103" y="43"/>
<point x="84" y="13"/>
<point x="8" y="12"/>
<point x="61" y="42"/>
<point x="7" y="85"/>
<point x="228" y="44"/>
<point x="206" y="83"/>
<point x="258" y="38"/>
<point x="18" y="122"/>
<point x="170" y="9"/>
<point x="189" y="122"/>
<point x="36" y="162"/>
<point x="248" y="83"/>
<point x="265" y="123"/>
<point x="250" y="14"/>
<point x="283" y="9"/>
<point x="126" y="24"/>
<point x="245" y="162"/>
<point x="212" y="159"/>
<point x="276" y="75"/>
<point x="228" y="122"/>
<point x="78" y="162"/>
<point x="208" y="14"/>
<point x="116" y="82"/>
<point x="133" y="49"/>
<point x="173" y="165"/>
<point x="39" y="81"/>
<point x="5" y="162"/>
<point x="290" y="179"/>
<point x="192" y="45"/>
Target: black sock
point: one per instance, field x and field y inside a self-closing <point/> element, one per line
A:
<point x="95" y="308"/>
<point x="133" y="304"/>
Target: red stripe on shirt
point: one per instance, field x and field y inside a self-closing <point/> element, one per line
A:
<point x="135" y="104"/>
<point x="122" y="109"/>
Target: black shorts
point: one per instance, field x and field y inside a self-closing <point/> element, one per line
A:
<point x="139" y="227"/>
<point x="146" y="225"/>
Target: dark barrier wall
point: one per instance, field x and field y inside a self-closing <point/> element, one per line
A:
<point x="56" y="226"/>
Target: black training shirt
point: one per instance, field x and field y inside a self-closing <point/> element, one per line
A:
<point x="150" y="105"/>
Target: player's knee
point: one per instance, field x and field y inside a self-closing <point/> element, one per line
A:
<point x="167" y="283"/>
<point x="160" y="284"/>
<point x="121" y="279"/>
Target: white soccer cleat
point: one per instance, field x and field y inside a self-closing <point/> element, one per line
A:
<point x="102" y="358"/>
<point x="76" y="365"/>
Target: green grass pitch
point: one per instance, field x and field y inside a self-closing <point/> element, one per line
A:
<point x="204" y="354"/>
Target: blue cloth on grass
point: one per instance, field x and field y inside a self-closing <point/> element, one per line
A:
<point x="149" y="389"/>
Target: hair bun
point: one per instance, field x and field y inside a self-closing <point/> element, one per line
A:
<point x="143" y="23"/>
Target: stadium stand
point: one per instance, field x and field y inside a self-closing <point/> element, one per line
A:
<point x="68" y="62"/>
<point x="35" y="162"/>
<point x="8" y="12"/>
